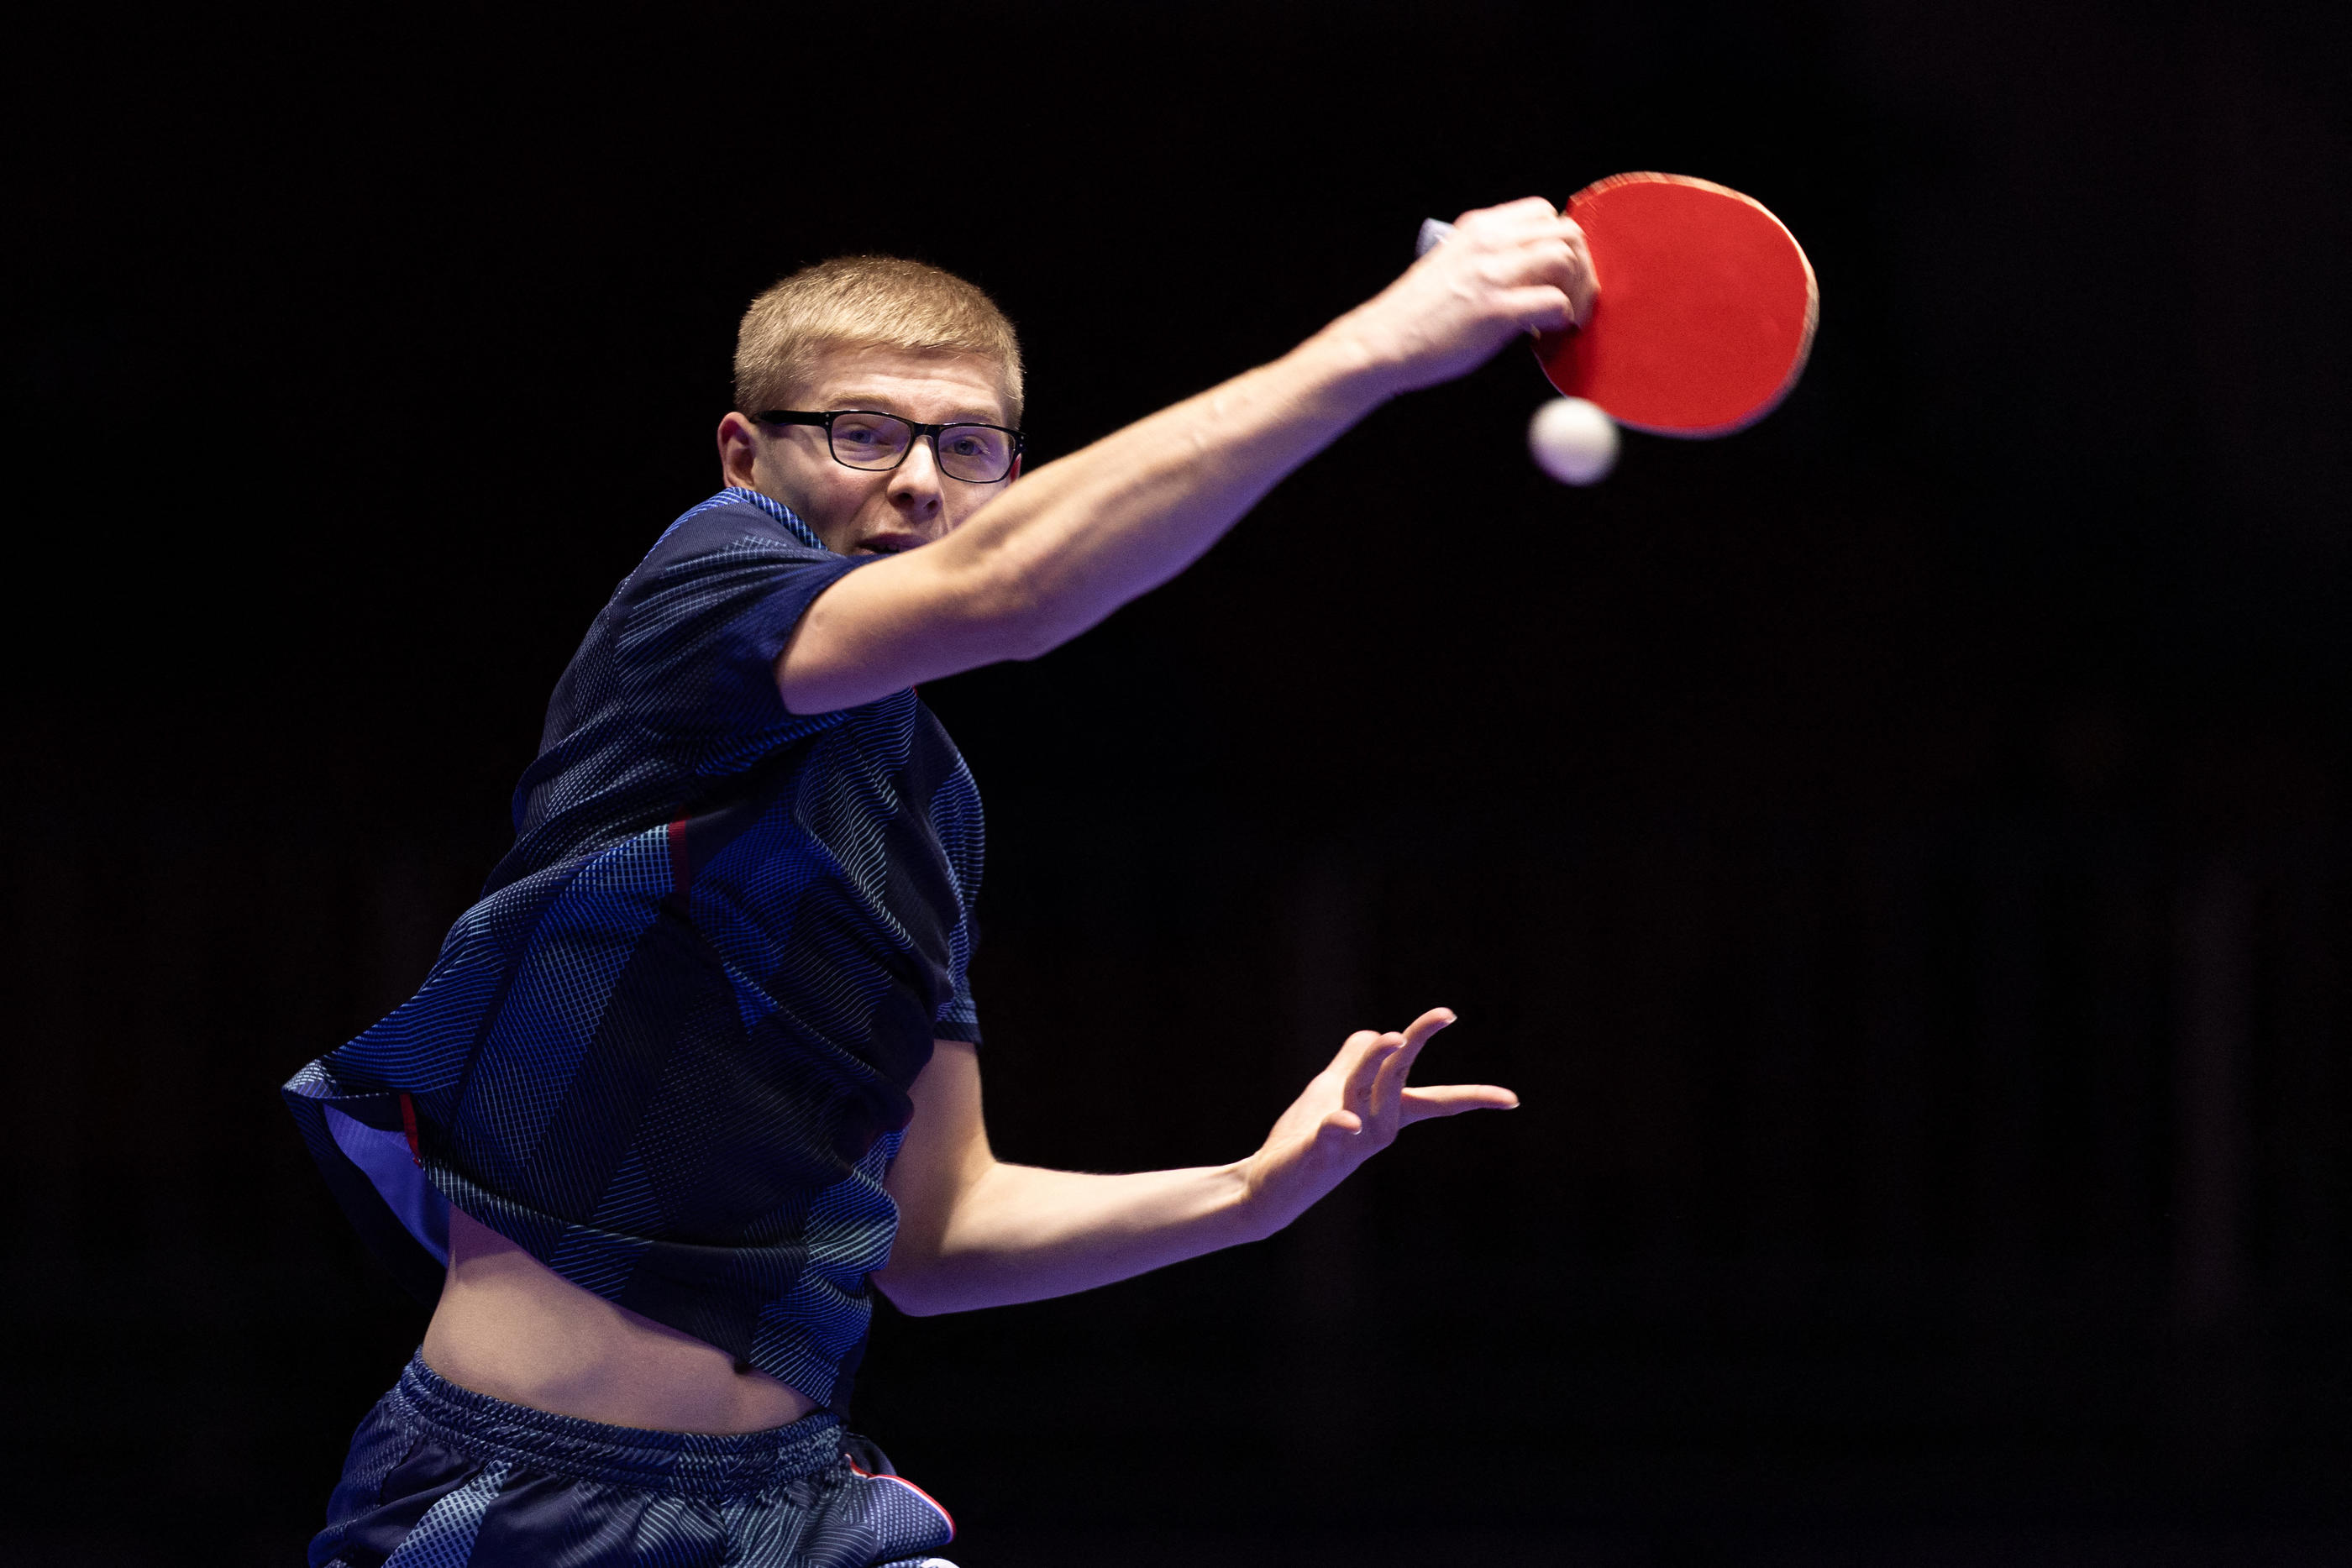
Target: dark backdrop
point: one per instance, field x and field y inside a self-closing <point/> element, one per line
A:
<point x="1899" y="853"/>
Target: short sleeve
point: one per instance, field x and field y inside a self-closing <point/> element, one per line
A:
<point x="701" y="623"/>
<point x="958" y="1018"/>
<point x="673" y="689"/>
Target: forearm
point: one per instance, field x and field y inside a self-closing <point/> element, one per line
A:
<point x="1082" y="536"/>
<point x="975" y="1232"/>
<point x="1017" y="1233"/>
<point x="1071" y="542"/>
<point x="1064" y="547"/>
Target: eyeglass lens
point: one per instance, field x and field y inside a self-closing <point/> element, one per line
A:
<point x="976" y="453"/>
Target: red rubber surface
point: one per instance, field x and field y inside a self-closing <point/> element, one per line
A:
<point x="1705" y="313"/>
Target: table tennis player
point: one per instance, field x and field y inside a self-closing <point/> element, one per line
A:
<point x="702" y="1070"/>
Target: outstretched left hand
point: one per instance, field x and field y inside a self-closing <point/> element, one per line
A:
<point x="1350" y="1112"/>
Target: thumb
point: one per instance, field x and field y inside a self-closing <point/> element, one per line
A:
<point x="1339" y="1124"/>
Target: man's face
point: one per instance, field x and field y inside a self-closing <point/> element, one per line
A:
<point x="857" y="511"/>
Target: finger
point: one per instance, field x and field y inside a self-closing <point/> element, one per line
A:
<point x="1552" y="230"/>
<point x="1537" y="310"/>
<point x="1500" y="231"/>
<point x="1356" y="1093"/>
<point x="1363" y="1083"/>
<point x="1341" y="1070"/>
<point x="1526" y="209"/>
<point x="1584" y="278"/>
<point x="1422" y="1029"/>
<point x="1418" y="1033"/>
<point x="1388" y="1088"/>
<point x="1453" y="1099"/>
<point x="1581" y="294"/>
<point x="1350" y="1053"/>
<point x="1337" y="1126"/>
<point x="1545" y="258"/>
<point x="1504" y="229"/>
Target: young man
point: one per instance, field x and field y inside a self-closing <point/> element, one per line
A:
<point x="702" y="1066"/>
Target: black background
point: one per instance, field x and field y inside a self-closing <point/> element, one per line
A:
<point x="1898" y="853"/>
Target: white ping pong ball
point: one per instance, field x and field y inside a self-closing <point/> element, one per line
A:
<point x="1573" y="441"/>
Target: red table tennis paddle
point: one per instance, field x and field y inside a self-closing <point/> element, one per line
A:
<point x="1705" y="313"/>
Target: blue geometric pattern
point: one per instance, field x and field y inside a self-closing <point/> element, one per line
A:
<point x="476" y="1482"/>
<point x="443" y="1538"/>
<point x="668" y="1052"/>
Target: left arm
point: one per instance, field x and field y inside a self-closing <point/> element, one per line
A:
<point x="975" y="1232"/>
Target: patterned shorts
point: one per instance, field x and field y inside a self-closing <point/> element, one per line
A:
<point x="440" y="1477"/>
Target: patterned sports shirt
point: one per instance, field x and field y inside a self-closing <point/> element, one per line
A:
<point x="669" y="1051"/>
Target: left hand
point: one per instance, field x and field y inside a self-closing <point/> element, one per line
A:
<point x="1350" y="1112"/>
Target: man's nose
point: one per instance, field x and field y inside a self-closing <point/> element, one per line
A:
<point x="916" y="478"/>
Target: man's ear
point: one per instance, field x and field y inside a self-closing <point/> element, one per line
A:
<point x="738" y="447"/>
<point x="1016" y="467"/>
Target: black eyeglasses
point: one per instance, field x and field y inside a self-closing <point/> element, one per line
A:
<point x="861" y="438"/>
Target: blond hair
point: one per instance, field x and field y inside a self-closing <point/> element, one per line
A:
<point x="867" y="302"/>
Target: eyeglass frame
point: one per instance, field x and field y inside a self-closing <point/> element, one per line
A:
<point x="825" y="422"/>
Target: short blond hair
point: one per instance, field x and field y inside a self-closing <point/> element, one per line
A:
<point x="867" y="302"/>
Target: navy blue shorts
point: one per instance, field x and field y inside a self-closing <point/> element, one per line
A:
<point x="440" y="1477"/>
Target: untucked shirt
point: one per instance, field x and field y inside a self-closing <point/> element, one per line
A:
<point x="668" y="1052"/>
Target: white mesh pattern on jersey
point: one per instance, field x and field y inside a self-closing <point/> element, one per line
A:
<point x="667" y="1053"/>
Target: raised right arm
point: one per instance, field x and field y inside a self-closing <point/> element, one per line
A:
<point x="1067" y="545"/>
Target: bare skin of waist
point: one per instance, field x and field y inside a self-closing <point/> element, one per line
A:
<point x="973" y="1231"/>
<point x="511" y="1328"/>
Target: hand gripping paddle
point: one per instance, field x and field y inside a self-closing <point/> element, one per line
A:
<point x="1706" y="312"/>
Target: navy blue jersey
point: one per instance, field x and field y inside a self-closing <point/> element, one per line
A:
<point x="668" y="1052"/>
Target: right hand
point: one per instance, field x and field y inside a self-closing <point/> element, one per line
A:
<point x="1517" y="268"/>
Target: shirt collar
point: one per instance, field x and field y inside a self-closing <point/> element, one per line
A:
<point x="775" y="508"/>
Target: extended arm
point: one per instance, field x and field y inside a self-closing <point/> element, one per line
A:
<point x="975" y="1232"/>
<point x="1067" y="545"/>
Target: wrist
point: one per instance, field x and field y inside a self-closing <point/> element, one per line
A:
<point x="1356" y="366"/>
<point x="1249" y="1210"/>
